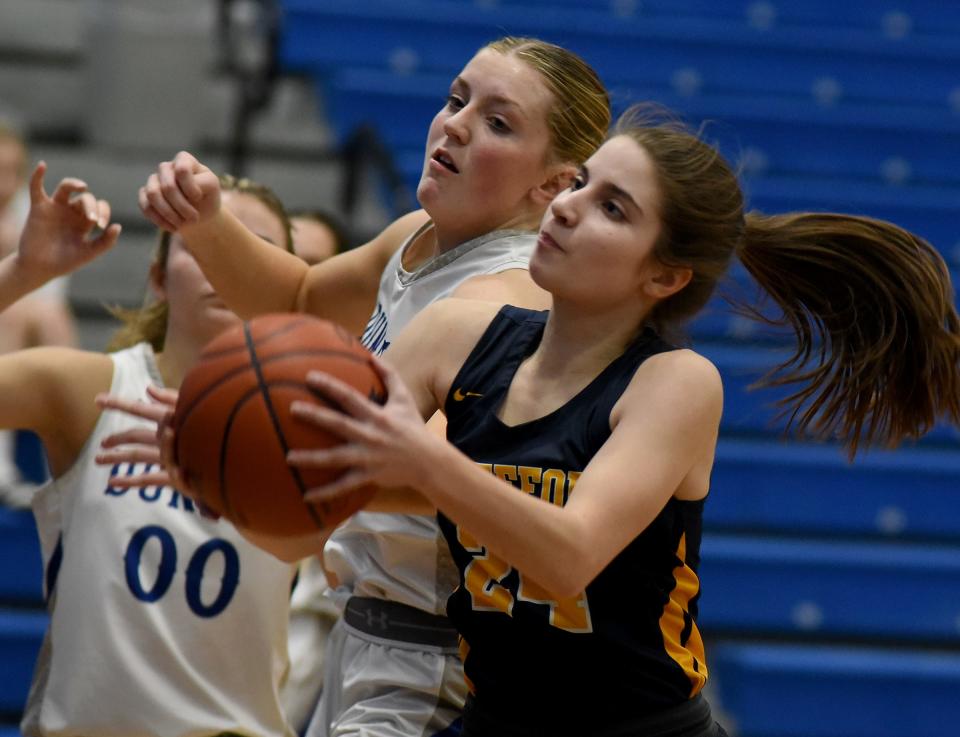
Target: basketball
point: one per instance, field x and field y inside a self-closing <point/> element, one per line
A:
<point x="233" y="425"/>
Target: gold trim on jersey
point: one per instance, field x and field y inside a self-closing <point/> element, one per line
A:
<point x="688" y="655"/>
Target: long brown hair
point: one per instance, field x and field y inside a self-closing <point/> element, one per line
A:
<point x="877" y="356"/>
<point x="148" y="324"/>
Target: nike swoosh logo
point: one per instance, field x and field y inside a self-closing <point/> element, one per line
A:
<point x="459" y="395"/>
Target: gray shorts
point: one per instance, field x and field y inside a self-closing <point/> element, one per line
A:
<point x="374" y="686"/>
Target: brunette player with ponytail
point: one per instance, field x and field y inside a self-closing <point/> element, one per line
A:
<point x="580" y="442"/>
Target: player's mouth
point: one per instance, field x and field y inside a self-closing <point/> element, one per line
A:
<point x="545" y="240"/>
<point x="214" y="300"/>
<point x="443" y="159"/>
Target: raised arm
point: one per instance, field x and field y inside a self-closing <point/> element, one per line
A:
<point x="59" y="236"/>
<point x="51" y="391"/>
<point x="249" y="275"/>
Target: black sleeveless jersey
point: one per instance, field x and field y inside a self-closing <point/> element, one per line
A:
<point x="625" y="648"/>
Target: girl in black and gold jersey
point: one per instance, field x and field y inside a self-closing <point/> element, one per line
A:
<point x="578" y="598"/>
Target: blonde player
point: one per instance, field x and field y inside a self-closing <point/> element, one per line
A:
<point x="162" y="622"/>
<point x="518" y="120"/>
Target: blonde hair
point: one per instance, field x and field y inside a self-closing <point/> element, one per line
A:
<point x="580" y="116"/>
<point x="148" y="324"/>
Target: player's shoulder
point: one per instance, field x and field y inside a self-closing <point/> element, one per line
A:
<point x="396" y="233"/>
<point x="458" y="313"/>
<point x="511" y="286"/>
<point x="70" y="363"/>
<point x="447" y="328"/>
<point x="679" y="375"/>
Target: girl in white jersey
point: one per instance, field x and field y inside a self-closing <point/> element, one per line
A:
<point x="162" y="622"/>
<point x="519" y="119"/>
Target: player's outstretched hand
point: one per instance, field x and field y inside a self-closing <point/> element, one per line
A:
<point x="180" y="193"/>
<point x="384" y="445"/>
<point x="60" y="234"/>
<point x="150" y="444"/>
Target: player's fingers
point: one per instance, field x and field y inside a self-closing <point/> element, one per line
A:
<point x="340" y="394"/>
<point x="163" y="395"/>
<point x="174" y="196"/>
<point x="185" y="169"/>
<point x="37" y="192"/>
<point x="339" y="456"/>
<point x="139" y="436"/>
<point x="167" y="440"/>
<point x="158" y="201"/>
<point x="152" y="478"/>
<point x="343" y="484"/>
<point x="85" y="205"/>
<point x="129" y="454"/>
<point x="138" y="408"/>
<point x="151" y="213"/>
<point x="103" y="213"/>
<point x="331" y="420"/>
<point x="67" y="189"/>
<point x="107" y="239"/>
<point x="182" y="483"/>
<point x="388" y="375"/>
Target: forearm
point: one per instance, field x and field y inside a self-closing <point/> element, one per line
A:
<point x="252" y="276"/>
<point x="287" y="549"/>
<point x="15" y="282"/>
<point x="526" y="532"/>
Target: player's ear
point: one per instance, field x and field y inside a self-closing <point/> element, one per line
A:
<point x="667" y="281"/>
<point x="558" y="179"/>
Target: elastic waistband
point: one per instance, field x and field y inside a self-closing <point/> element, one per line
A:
<point x="393" y="621"/>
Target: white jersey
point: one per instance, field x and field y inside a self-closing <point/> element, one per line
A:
<point x="162" y="622"/>
<point x="404" y="558"/>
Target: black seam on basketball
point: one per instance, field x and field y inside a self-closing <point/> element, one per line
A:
<point x="228" y="508"/>
<point x="294" y="471"/>
<point x="240" y="369"/>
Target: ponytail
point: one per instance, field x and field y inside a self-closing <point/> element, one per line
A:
<point x="878" y="336"/>
<point x="877" y="359"/>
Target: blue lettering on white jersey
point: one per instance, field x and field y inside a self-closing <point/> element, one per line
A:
<point x="375" y="335"/>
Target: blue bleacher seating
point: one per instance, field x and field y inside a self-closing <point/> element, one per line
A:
<point x="842" y="61"/>
<point x="21" y="634"/>
<point x="753" y="411"/>
<point x="21" y="570"/>
<point x="767" y="135"/>
<point x="891" y="18"/>
<point x="762" y="584"/>
<point x="800" y="488"/>
<point x="795" y="691"/>
<point x="785" y="149"/>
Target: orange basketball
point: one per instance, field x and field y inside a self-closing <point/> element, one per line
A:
<point x="234" y="427"/>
